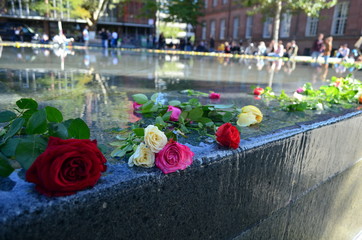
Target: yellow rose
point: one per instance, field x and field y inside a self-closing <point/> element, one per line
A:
<point x="143" y="157"/>
<point x="249" y="115"/>
<point x="154" y="138"/>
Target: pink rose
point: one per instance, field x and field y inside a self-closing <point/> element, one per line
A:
<point x="174" y="156"/>
<point x="175" y="113"/>
<point x="300" y="90"/>
<point x="137" y="106"/>
<point x="214" y="95"/>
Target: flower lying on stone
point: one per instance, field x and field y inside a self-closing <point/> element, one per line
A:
<point x="228" y="135"/>
<point x="214" y="95"/>
<point x="142" y="157"/>
<point x="175" y="113"/>
<point x="67" y="166"/>
<point x="154" y="138"/>
<point x="249" y="115"/>
<point x="174" y="156"/>
<point x="258" y="91"/>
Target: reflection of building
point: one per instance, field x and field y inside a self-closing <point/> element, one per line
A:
<point x="124" y="18"/>
<point x="226" y="22"/>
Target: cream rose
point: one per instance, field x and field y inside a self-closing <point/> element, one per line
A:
<point x="154" y="138"/>
<point x="249" y="115"/>
<point x="142" y="157"/>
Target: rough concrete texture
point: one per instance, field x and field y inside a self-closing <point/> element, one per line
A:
<point x="295" y="183"/>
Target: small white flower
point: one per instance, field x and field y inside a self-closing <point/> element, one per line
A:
<point x="319" y="107"/>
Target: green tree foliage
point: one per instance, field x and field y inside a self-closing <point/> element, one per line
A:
<point x="89" y="10"/>
<point x="185" y="11"/>
<point x="274" y="9"/>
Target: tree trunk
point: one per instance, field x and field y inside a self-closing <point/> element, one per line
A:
<point x="276" y="26"/>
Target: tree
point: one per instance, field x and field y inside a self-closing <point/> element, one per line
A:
<point x="89" y="10"/>
<point x="275" y="8"/>
<point x="184" y="11"/>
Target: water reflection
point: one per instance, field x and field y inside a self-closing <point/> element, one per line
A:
<point x="97" y="85"/>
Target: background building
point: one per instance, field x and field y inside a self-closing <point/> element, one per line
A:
<point x="123" y="18"/>
<point x="226" y="21"/>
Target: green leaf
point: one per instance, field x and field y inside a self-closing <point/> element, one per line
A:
<point x="15" y="126"/>
<point x="166" y="116"/>
<point x="28" y="113"/>
<point x="159" y="121"/>
<point x="53" y="114"/>
<point x="29" y="149"/>
<point x="204" y="120"/>
<point x="6" y="116"/>
<point x="223" y="106"/>
<point x="140" y="132"/>
<point x="194" y="101"/>
<point x="195" y="114"/>
<point x="5" y="168"/>
<point x="58" y="130"/>
<point x="227" y="117"/>
<point x="154" y="97"/>
<point x="78" y="129"/>
<point x="37" y="122"/>
<point x="146" y="108"/>
<point x="118" y="153"/>
<point x="8" y="149"/>
<point x="140" y="98"/>
<point x="174" y="103"/>
<point x="27" y="103"/>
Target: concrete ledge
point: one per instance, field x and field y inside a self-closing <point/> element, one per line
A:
<point x="279" y="179"/>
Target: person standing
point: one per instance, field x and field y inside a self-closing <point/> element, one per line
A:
<point x="104" y="37"/>
<point x="327" y="49"/>
<point x="318" y="47"/>
<point x="114" y="39"/>
<point x="86" y="36"/>
<point x="212" y="44"/>
<point x="161" y="41"/>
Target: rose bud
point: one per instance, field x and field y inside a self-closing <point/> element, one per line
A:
<point x="214" y="95"/>
<point x="67" y="166"/>
<point x="174" y="156"/>
<point x="258" y="91"/>
<point x="228" y="135"/>
<point x="300" y="90"/>
<point x="137" y="106"/>
<point x="175" y="113"/>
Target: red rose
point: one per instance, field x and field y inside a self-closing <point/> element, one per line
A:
<point x="67" y="166"/>
<point x="174" y="156"/>
<point x="258" y="91"/>
<point x="228" y="135"/>
<point x="214" y="95"/>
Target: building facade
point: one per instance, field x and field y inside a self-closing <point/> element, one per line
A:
<point x="124" y="18"/>
<point x="227" y="21"/>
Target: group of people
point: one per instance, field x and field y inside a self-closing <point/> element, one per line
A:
<point x="273" y="49"/>
<point x="323" y="47"/>
<point x="108" y="38"/>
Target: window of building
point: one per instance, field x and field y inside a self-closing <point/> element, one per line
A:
<point x="311" y="27"/>
<point x="236" y="28"/>
<point x="267" y="28"/>
<point x="203" y="31"/>
<point x="224" y="1"/>
<point x="206" y="3"/>
<point x="222" y="29"/>
<point x="214" y="3"/>
<point x="249" y="27"/>
<point x="285" y="25"/>
<point x="212" y="28"/>
<point x="339" y="18"/>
